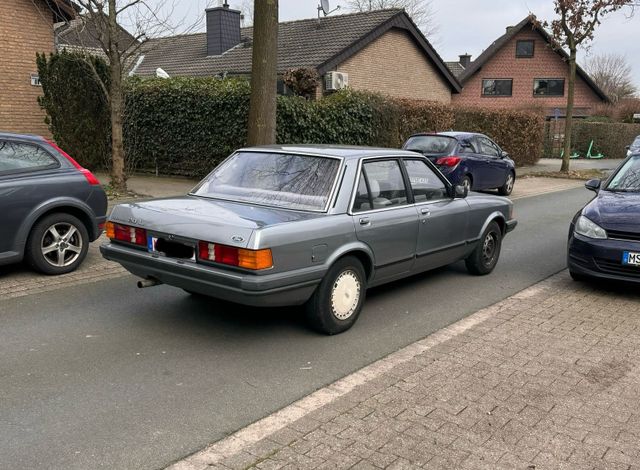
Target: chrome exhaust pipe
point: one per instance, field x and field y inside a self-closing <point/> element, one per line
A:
<point x="143" y="283"/>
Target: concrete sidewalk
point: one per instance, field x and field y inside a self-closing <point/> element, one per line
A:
<point x="549" y="165"/>
<point x="546" y="379"/>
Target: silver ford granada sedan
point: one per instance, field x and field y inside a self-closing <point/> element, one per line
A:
<point x="309" y="225"/>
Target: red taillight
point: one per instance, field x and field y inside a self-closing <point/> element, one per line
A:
<point x="232" y="256"/>
<point x="125" y="233"/>
<point x="91" y="179"/>
<point x="448" y="161"/>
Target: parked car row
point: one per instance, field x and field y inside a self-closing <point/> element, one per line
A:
<point x="305" y="225"/>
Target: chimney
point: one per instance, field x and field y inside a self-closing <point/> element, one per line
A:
<point x="223" y="29"/>
<point x="465" y="60"/>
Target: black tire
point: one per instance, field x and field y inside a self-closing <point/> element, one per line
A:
<point x="65" y="254"/>
<point x="467" y="181"/>
<point x="485" y="256"/>
<point x="322" y="313"/>
<point x="507" y="188"/>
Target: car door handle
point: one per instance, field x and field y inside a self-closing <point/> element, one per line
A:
<point x="365" y="221"/>
<point x="425" y="211"/>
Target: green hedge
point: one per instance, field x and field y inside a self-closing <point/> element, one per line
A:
<point x="77" y="112"/>
<point x="519" y="133"/>
<point x="609" y="138"/>
<point x="185" y="126"/>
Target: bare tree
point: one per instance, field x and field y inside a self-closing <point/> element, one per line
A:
<point x="612" y="73"/>
<point x="102" y="24"/>
<point x="574" y="26"/>
<point x="264" y="78"/>
<point x="420" y="11"/>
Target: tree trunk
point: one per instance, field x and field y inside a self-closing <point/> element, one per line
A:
<point x="116" y="101"/>
<point x="569" y="119"/>
<point x="262" y="108"/>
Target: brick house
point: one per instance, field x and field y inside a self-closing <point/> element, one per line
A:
<point x="522" y="70"/>
<point x="381" y="51"/>
<point x="26" y="29"/>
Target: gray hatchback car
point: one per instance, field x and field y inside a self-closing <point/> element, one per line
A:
<point x="312" y="225"/>
<point x="52" y="208"/>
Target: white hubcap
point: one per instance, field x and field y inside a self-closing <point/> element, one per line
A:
<point x="345" y="295"/>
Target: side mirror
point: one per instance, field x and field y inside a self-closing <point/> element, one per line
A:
<point x="460" y="191"/>
<point x="628" y="147"/>
<point x="593" y="185"/>
<point x="504" y="154"/>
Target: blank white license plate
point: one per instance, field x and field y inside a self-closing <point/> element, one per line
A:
<point x="630" y="258"/>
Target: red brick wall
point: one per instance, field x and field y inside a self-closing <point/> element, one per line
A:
<point x="26" y="28"/>
<point x="545" y="64"/>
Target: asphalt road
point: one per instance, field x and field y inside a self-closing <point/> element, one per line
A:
<point x="108" y="376"/>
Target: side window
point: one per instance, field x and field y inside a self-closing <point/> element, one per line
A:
<point x="362" y="201"/>
<point x="468" y="146"/>
<point x="18" y="156"/>
<point x="488" y="148"/>
<point x="425" y="183"/>
<point x="386" y="185"/>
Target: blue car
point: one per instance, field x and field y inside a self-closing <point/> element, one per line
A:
<point x="604" y="238"/>
<point x="467" y="159"/>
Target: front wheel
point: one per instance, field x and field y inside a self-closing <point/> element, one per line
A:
<point x="507" y="188"/>
<point x="485" y="256"/>
<point x="337" y="302"/>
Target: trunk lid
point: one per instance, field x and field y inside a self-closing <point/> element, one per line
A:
<point x="204" y="219"/>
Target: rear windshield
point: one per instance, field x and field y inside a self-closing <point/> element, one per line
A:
<point x="628" y="178"/>
<point x="273" y="179"/>
<point x="431" y="144"/>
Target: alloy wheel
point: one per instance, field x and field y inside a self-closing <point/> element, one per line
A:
<point x="489" y="248"/>
<point x="61" y="244"/>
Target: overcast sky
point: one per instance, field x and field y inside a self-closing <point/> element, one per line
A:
<point x="472" y="25"/>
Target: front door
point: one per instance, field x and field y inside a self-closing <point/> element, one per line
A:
<point x="443" y="221"/>
<point x="497" y="167"/>
<point x="383" y="218"/>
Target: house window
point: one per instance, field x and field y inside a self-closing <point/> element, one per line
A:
<point x="548" y="87"/>
<point x="495" y="87"/>
<point x="525" y="48"/>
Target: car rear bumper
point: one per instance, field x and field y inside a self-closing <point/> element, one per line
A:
<point x="602" y="258"/>
<point x="266" y="290"/>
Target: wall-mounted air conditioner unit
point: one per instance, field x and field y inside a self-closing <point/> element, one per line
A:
<point x="336" y="81"/>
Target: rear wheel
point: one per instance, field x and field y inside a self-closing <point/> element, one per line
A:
<point x="466" y="182"/>
<point x="507" y="188"/>
<point x="485" y="256"/>
<point x="57" y="244"/>
<point x="337" y="302"/>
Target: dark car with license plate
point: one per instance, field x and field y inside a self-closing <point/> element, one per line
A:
<point x="312" y="225"/>
<point x="468" y="159"/>
<point x="51" y="207"/>
<point x="604" y="237"/>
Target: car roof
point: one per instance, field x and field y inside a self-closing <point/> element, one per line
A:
<point x="342" y="151"/>
<point x="452" y="134"/>
<point x="28" y="137"/>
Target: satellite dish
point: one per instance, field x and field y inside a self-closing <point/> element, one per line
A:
<point x="161" y="73"/>
<point x="324" y="4"/>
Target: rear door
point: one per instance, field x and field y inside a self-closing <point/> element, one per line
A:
<point x="25" y="170"/>
<point x="384" y="219"/>
<point x="476" y="162"/>
<point x="443" y="221"/>
<point x="497" y="167"/>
